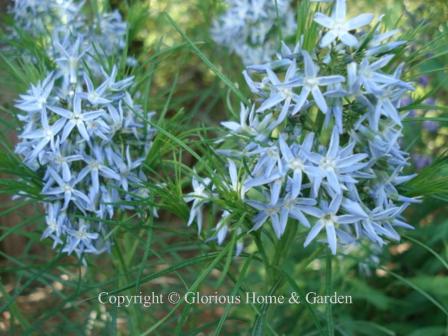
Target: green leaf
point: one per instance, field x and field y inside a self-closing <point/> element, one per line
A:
<point x="207" y="62"/>
<point x="429" y="331"/>
<point x="437" y="174"/>
<point x="417" y="288"/>
<point x="361" y="289"/>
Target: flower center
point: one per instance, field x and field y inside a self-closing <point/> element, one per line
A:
<point x="286" y="92"/>
<point x="296" y="164"/>
<point x="329" y="219"/>
<point x="271" y="211"/>
<point x="48" y="133"/>
<point x="59" y="159"/>
<point x="41" y="101"/>
<point x="68" y="188"/>
<point x="272" y="152"/>
<point x="311" y="82"/>
<point x="72" y="62"/>
<point x="368" y="73"/>
<point x="339" y="27"/>
<point x="328" y="164"/>
<point x="93" y="96"/>
<point x="289" y="203"/>
<point x="81" y="234"/>
<point x="52" y="224"/>
<point x="94" y="165"/>
<point x="77" y="118"/>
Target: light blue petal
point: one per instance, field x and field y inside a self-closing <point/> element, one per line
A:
<point x="272" y="101"/>
<point x="349" y="40"/>
<point x="333" y="147"/>
<point x="359" y="21"/>
<point x="313" y="233"/>
<point x="298" y="215"/>
<point x="310" y="68"/>
<point x="340" y="10"/>
<point x="259" y="220"/>
<point x="323" y="20"/>
<point x="300" y="101"/>
<point x="330" y="80"/>
<point x="83" y="131"/>
<point x="331" y="237"/>
<point x="319" y="99"/>
<point x="327" y="39"/>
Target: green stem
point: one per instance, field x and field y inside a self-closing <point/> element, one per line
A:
<point x="283" y="245"/>
<point x="328" y="286"/>
<point x="264" y="256"/>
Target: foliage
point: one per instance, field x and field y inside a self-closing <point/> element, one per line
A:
<point x="193" y="85"/>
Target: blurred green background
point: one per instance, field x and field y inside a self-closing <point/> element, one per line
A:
<point x="404" y="293"/>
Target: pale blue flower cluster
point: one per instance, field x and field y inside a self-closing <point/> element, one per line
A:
<point x="320" y="147"/>
<point x="85" y="136"/>
<point x="103" y="33"/>
<point x="38" y="17"/>
<point x="250" y="28"/>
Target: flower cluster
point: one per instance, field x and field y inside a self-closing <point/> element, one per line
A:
<point x="320" y="147"/>
<point x="105" y="32"/>
<point x="249" y="28"/>
<point x="39" y="17"/>
<point x="85" y="136"/>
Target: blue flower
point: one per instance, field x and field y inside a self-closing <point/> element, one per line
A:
<point x="266" y="211"/>
<point x="96" y="167"/>
<point x="82" y="163"/>
<point x="80" y="240"/>
<point x="338" y="26"/>
<point x="310" y="83"/>
<point x="44" y="136"/>
<point x="247" y="28"/>
<point x="335" y="165"/>
<point x="369" y="76"/>
<point x="55" y="221"/>
<point x="330" y="220"/>
<point x="267" y="169"/>
<point x="37" y="96"/>
<point x="76" y="118"/>
<point x="65" y="189"/>
<point x="69" y="59"/>
<point x="86" y="141"/>
<point x="249" y="124"/>
<point x="199" y="196"/>
<point x="347" y="185"/>
<point x="125" y="167"/>
<point x="60" y="160"/>
<point x="294" y="207"/>
<point x="280" y="93"/>
<point x="222" y="228"/>
<point x="95" y="95"/>
<point x="296" y="161"/>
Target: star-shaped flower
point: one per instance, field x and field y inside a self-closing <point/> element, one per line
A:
<point x="330" y="220"/>
<point x="82" y="237"/>
<point x="281" y="94"/>
<point x="95" y="96"/>
<point x="336" y="165"/>
<point x="296" y="161"/>
<point x="199" y="196"/>
<point x="44" y="135"/>
<point x="37" y="96"/>
<point x="66" y="189"/>
<point x="76" y="118"/>
<point x="310" y="83"/>
<point x="339" y="27"/>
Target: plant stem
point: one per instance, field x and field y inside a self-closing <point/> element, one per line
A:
<point x="328" y="286"/>
<point x="282" y="250"/>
